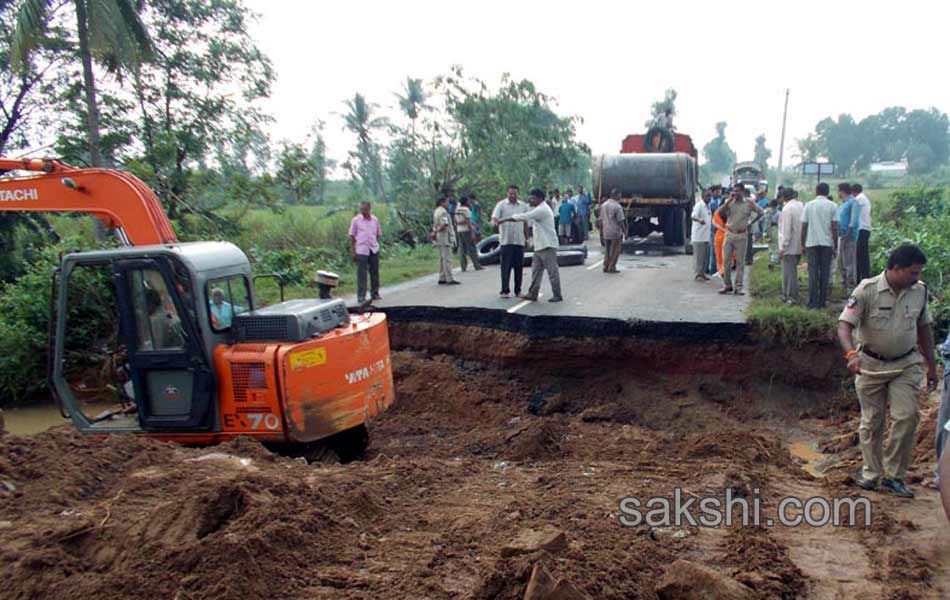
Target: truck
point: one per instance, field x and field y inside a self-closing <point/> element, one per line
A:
<point x="192" y="354"/>
<point x="750" y="175"/>
<point x="657" y="175"/>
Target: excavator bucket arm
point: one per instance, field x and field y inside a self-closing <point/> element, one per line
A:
<point x="118" y="199"/>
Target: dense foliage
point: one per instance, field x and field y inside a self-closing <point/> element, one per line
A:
<point x="919" y="216"/>
<point x="921" y="137"/>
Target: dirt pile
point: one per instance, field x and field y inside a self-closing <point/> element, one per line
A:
<point x="482" y="482"/>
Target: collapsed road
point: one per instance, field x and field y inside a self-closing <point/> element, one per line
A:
<point x="500" y="472"/>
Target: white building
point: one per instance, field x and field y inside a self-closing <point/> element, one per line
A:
<point x="890" y="168"/>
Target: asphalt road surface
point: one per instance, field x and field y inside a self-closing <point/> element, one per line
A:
<point x="652" y="285"/>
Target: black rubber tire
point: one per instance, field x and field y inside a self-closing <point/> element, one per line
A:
<point x="666" y="142"/>
<point x="573" y="248"/>
<point x="570" y="258"/>
<point x="489" y="251"/>
<point x="351" y="444"/>
<point x="668" y="225"/>
<point x="565" y="258"/>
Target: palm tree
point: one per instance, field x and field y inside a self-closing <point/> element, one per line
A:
<point x="360" y="120"/>
<point x="109" y="30"/>
<point x="412" y="101"/>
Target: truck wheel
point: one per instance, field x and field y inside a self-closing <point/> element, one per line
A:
<point x="668" y="225"/>
<point x="679" y="226"/>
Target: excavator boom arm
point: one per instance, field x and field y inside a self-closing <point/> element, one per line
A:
<point x="118" y="199"/>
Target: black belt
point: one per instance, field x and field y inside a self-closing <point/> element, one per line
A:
<point x="879" y="357"/>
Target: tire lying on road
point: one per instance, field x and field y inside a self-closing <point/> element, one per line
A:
<point x="489" y="250"/>
<point x="565" y="258"/>
<point x="573" y="248"/>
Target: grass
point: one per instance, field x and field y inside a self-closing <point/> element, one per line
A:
<point x="772" y="318"/>
<point x="400" y="265"/>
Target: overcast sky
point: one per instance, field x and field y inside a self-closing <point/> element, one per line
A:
<point x="607" y="62"/>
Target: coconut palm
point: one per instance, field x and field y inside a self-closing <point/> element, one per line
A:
<point x="412" y="100"/>
<point x="361" y="121"/>
<point x="108" y="30"/>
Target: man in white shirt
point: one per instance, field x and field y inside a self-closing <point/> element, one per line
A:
<point x="790" y="243"/>
<point x="702" y="223"/>
<point x="864" y="234"/>
<point x="820" y="239"/>
<point x="511" y="236"/>
<point x="541" y="219"/>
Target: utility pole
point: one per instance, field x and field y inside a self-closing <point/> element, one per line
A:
<point x="781" y="146"/>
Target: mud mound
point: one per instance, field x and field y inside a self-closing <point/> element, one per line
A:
<point x="56" y="468"/>
<point x="221" y="525"/>
<point x="761" y="563"/>
<point x="747" y="446"/>
<point x="538" y="439"/>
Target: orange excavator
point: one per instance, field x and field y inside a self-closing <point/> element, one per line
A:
<point x="203" y="362"/>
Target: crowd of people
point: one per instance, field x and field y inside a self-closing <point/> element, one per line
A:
<point x="548" y="220"/>
<point x="724" y="230"/>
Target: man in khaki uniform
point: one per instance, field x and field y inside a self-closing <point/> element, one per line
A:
<point x="893" y="325"/>
<point x="443" y="236"/>
<point x="613" y="226"/>
<point x="738" y="224"/>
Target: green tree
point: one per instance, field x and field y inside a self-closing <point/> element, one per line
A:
<point x="361" y="120"/>
<point x="761" y="154"/>
<point x="200" y="95"/>
<point x="108" y="30"/>
<point x="841" y="140"/>
<point x="808" y="149"/>
<point x="296" y="172"/>
<point x="512" y="135"/>
<point x="717" y="152"/>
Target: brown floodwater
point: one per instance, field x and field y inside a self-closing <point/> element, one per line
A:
<point x="30" y="420"/>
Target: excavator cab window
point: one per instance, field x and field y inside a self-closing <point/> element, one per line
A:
<point x="92" y="352"/>
<point x="227" y="297"/>
<point x="156" y="317"/>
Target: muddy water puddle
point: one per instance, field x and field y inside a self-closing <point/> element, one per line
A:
<point x="808" y="452"/>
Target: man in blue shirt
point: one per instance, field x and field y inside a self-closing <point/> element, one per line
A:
<point x="584" y="202"/>
<point x="476" y="208"/>
<point x="565" y="218"/>
<point x="222" y="313"/>
<point x="849" y="218"/>
<point x="715" y="201"/>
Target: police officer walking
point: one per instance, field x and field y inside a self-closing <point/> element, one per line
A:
<point x="890" y="316"/>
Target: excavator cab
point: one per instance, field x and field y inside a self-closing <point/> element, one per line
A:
<point x="162" y="334"/>
<point x="203" y="361"/>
